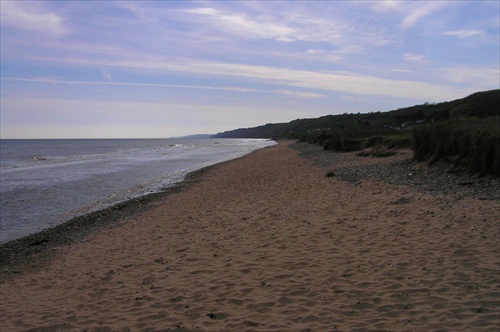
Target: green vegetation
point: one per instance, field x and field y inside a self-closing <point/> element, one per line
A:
<point x="463" y="132"/>
<point x="471" y="145"/>
<point x="357" y="137"/>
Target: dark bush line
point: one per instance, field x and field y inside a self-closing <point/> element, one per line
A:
<point x="358" y="137"/>
<point x="471" y="145"/>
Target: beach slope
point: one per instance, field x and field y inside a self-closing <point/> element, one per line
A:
<point x="267" y="242"/>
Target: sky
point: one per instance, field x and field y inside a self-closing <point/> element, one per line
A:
<point x="139" y="69"/>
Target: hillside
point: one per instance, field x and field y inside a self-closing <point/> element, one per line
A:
<point x="478" y="105"/>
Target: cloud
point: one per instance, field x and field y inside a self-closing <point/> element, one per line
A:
<point x="464" y="33"/>
<point x="49" y="80"/>
<point x="482" y="78"/>
<point x="202" y="11"/>
<point x="245" y="26"/>
<point x="420" y="10"/>
<point x="292" y="23"/>
<point x="318" y="80"/>
<point x="418" y="58"/>
<point x="263" y="53"/>
<point x="401" y="70"/>
<point x="286" y="78"/>
<point x="332" y="81"/>
<point x="105" y="73"/>
<point x="30" y="16"/>
<point x="299" y="94"/>
<point x="335" y="81"/>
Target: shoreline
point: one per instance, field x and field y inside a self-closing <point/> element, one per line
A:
<point x="405" y="171"/>
<point x="34" y="251"/>
<point x="80" y="198"/>
<point x="269" y="242"/>
<point x="35" y="248"/>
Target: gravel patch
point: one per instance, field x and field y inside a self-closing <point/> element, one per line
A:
<point x="401" y="169"/>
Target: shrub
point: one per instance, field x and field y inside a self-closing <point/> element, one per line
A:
<point x="472" y="145"/>
<point x="357" y="137"/>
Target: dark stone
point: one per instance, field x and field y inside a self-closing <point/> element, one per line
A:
<point x="37" y="243"/>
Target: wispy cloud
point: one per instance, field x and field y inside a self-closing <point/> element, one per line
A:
<point x="464" y="33"/>
<point x="245" y="26"/>
<point x="418" y="10"/>
<point x="319" y="80"/>
<point x="31" y="16"/>
<point x="299" y="94"/>
<point x="343" y="82"/>
<point x="234" y="57"/>
<point x="396" y="70"/>
<point x="417" y="58"/>
<point x="482" y="78"/>
<point x="294" y="23"/>
<point x="334" y="81"/>
<point x="48" y="80"/>
<point x="384" y="6"/>
<point x="105" y="73"/>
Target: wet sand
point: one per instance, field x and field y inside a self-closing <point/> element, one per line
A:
<point x="267" y="242"/>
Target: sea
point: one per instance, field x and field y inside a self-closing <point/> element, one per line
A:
<point x="44" y="183"/>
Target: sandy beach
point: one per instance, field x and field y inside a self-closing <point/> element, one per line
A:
<point x="268" y="242"/>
